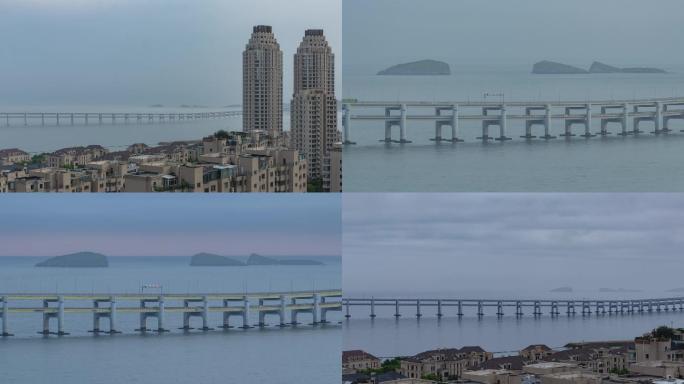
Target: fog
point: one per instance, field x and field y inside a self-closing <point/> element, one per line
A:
<point x="512" y="242"/>
<point x="624" y="33"/>
<point x="139" y="53"/>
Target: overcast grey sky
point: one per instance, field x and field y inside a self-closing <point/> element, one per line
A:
<point x="171" y="225"/>
<point x="380" y="33"/>
<point x="142" y="52"/>
<point x="528" y="242"/>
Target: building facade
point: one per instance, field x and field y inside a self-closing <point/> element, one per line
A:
<point x="314" y="105"/>
<point x="262" y="83"/>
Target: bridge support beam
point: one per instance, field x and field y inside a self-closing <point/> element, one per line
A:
<point x="418" y="314"/>
<point x="658" y="118"/>
<point x="439" y="309"/>
<point x="625" y="120"/>
<point x="396" y="309"/>
<point x="502" y="125"/>
<point x="587" y="122"/>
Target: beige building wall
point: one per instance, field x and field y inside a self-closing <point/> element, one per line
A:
<point x="262" y="83"/>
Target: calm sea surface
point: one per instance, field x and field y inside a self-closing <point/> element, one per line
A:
<point x="305" y="354"/>
<point x="386" y="336"/>
<point x="612" y="163"/>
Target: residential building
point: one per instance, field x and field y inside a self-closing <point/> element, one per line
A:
<point x="447" y="363"/>
<point x="262" y="83"/>
<point x="358" y="360"/>
<point x="13" y="155"/>
<point x="314" y="105"/>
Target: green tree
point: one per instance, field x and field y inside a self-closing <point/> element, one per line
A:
<point x="663" y="332"/>
<point x="315" y="185"/>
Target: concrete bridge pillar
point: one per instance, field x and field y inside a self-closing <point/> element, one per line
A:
<point x="160" y="316"/>
<point x="113" y="118"/>
<point x="346" y="123"/>
<point x="226" y="315"/>
<point x="547" y="123"/>
<point x="454" y="124"/>
<point x="324" y="311"/>
<point x="499" y="309"/>
<point x="60" y="316"/>
<point x="262" y="314"/>
<point x="587" y="122"/>
<point x="281" y="313"/>
<point x="396" y="309"/>
<point x="460" y="309"/>
<point x="5" y="317"/>
<point x="245" y="312"/>
<point x="554" y="309"/>
<point x="439" y="309"/>
<point x="518" y="309"/>
<point x="418" y="314"/>
<point x="56" y="115"/>
<point x="346" y="308"/>
<point x="502" y="125"/>
<point x="72" y="119"/>
<point x="96" y="317"/>
<point x="205" y="314"/>
<point x="625" y="119"/>
<point x="480" y="309"/>
<point x="372" y="314"/>
<point x="186" y="316"/>
<point x="537" y="309"/>
<point x="86" y="118"/>
<point x="46" y="318"/>
<point x="316" y="308"/>
<point x="113" y="324"/>
<point x="42" y="119"/>
<point x="99" y="117"/>
<point x="402" y="125"/>
<point x="25" y="119"/>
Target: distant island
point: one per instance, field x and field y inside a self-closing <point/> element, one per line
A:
<point x="598" y="67"/>
<point x="418" y="68"/>
<point x="562" y="289"/>
<point x="211" y="260"/>
<point x="77" y="260"/>
<point x="614" y="290"/>
<point x="676" y="290"/>
<point x="255" y="259"/>
<point x="547" y="67"/>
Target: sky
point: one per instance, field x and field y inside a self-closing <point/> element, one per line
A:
<point x="171" y="225"/>
<point x="145" y="52"/>
<point x="451" y="243"/>
<point x="381" y="33"/>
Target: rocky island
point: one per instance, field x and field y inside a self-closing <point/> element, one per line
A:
<point x="598" y="67"/>
<point x="418" y="68"/>
<point x="77" y="260"/>
<point x="255" y="259"/>
<point x="211" y="260"/>
<point x="546" y="67"/>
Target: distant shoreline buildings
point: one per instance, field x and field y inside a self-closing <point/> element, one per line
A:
<point x="648" y="359"/>
<point x="262" y="158"/>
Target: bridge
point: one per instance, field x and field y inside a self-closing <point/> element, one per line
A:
<point x="658" y="111"/>
<point x="107" y="306"/>
<point x="88" y="118"/>
<point x="535" y="307"/>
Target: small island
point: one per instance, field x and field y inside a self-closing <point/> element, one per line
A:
<point x="76" y="260"/>
<point x="211" y="260"/>
<point x="255" y="259"/>
<point x="598" y="67"/>
<point x="418" y="68"/>
<point x="562" y="289"/>
<point x="546" y="67"/>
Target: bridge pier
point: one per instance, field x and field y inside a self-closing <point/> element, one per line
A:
<point x="72" y="119"/>
<point x="518" y="309"/>
<point x="4" y="317"/>
<point x="537" y="309"/>
<point x="418" y="314"/>
<point x="245" y="313"/>
<point x="111" y="315"/>
<point x="372" y="314"/>
<point x="570" y="308"/>
<point x="554" y="309"/>
<point x="499" y="309"/>
<point x="460" y="309"/>
<point x="396" y="309"/>
<point x="488" y="121"/>
<point x="439" y="309"/>
<point x="529" y="122"/>
<point x="346" y="124"/>
<point x="480" y="310"/>
<point x="346" y="309"/>
<point x="502" y="125"/>
<point x="452" y="122"/>
<point x="658" y="117"/>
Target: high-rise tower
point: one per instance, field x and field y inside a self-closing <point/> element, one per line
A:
<point x="314" y="106"/>
<point x="262" y="83"/>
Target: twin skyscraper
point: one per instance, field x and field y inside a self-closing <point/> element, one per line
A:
<point x="313" y="110"/>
